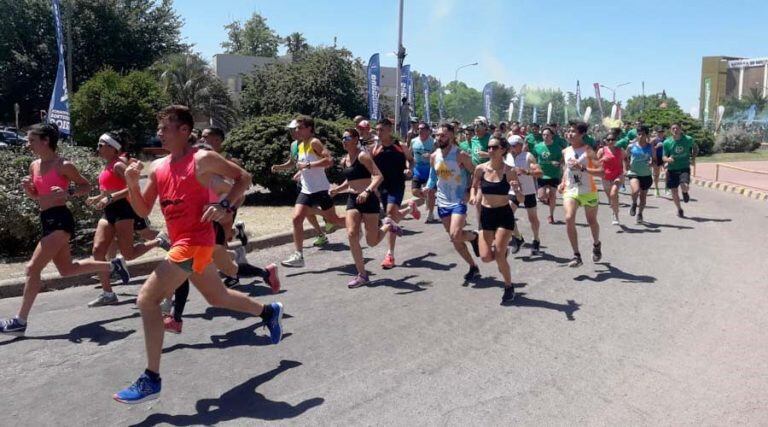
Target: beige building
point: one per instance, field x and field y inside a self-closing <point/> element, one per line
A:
<point x="724" y="77"/>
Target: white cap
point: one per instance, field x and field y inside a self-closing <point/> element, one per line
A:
<point x="514" y="140"/>
<point x="293" y="124"/>
<point x="481" y="120"/>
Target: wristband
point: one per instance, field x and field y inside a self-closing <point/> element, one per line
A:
<point x="109" y="198"/>
<point x="71" y="191"/>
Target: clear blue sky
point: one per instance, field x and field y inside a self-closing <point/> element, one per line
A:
<point x="544" y="43"/>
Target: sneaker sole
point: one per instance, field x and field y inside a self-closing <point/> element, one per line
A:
<point x="173" y="331"/>
<point x="102" y="305"/>
<point x="13" y="333"/>
<point x="274" y="280"/>
<point x="284" y="264"/>
<point x="134" y="402"/>
<point x="279" y="323"/>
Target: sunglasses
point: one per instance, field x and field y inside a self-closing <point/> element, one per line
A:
<point x="346" y="138"/>
<point x="610" y="139"/>
<point x="493" y="147"/>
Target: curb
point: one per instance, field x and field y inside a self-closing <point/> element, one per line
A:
<point x="731" y="188"/>
<point x="15" y="287"/>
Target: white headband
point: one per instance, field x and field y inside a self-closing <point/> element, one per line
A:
<point x="105" y="138"/>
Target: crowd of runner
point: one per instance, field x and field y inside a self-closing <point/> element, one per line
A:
<point x="496" y="169"/>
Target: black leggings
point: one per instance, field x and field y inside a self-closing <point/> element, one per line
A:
<point x="180" y="300"/>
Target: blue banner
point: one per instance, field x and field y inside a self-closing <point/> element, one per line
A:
<point x="425" y="83"/>
<point x="58" y="109"/>
<point x="487" y="95"/>
<point x="751" y="114"/>
<point x="374" y="86"/>
<point x="405" y="77"/>
<point x="440" y="102"/>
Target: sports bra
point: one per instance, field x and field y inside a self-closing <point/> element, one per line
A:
<point x="356" y="171"/>
<point x="44" y="183"/>
<point x="500" y="188"/>
<point x="109" y="180"/>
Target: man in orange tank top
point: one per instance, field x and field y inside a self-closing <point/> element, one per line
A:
<point x="178" y="180"/>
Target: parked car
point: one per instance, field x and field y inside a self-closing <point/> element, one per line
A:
<point x="11" y="138"/>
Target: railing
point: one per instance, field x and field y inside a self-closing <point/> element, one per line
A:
<point x="718" y="165"/>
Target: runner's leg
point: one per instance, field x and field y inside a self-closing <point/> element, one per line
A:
<point x="44" y="252"/>
<point x="102" y="240"/>
<point x="571" y="206"/>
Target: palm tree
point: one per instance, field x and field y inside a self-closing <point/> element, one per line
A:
<point x="188" y="80"/>
<point x="755" y="97"/>
<point x="296" y="44"/>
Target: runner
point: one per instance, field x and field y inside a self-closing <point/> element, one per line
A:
<point x="421" y="150"/>
<point x="526" y="170"/>
<point x="658" y="156"/>
<point x="48" y="183"/>
<point x="534" y="136"/>
<point x="117" y="223"/>
<point x="559" y="140"/>
<point x="362" y="180"/>
<point x="639" y="159"/>
<point x="367" y="139"/>
<point x="549" y="156"/>
<point x="679" y="155"/>
<point x="312" y="160"/>
<point x="479" y="145"/>
<point x="612" y="160"/>
<point x="181" y="180"/>
<point x="321" y="239"/>
<point x="579" y="189"/>
<point x="491" y="184"/>
<point x="394" y="162"/>
<point x="448" y="176"/>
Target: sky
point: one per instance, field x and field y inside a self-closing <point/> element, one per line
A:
<point x="539" y="43"/>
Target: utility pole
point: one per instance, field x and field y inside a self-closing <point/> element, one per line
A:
<point x="400" y="59"/>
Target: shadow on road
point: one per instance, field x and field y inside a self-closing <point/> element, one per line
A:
<point x="700" y="219"/>
<point x="676" y="227"/>
<point x="334" y="247"/>
<point x="347" y="268"/>
<point x="212" y="312"/>
<point x="486" y="282"/>
<point x="401" y="284"/>
<point x="612" y="272"/>
<point x="239" y="337"/>
<point x="421" y="262"/>
<point x="625" y="229"/>
<point x="94" y="332"/>
<point x="521" y="300"/>
<point x="543" y="256"/>
<point x="240" y="403"/>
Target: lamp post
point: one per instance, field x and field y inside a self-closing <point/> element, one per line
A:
<point x="456" y="75"/>
<point x="614" y="89"/>
<point x="400" y="59"/>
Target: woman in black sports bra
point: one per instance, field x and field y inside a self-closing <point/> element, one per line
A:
<point x="362" y="180"/>
<point x="491" y="183"/>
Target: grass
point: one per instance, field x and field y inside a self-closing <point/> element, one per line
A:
<point x="756" y="155"/>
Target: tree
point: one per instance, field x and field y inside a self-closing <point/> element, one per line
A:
<point x="463" y="103"/>
<point x="122" y="35"/>
<point x="665" y="117"/>
<point x="187" y="79"/>
<point x="253" y="38"/>
<point x="110" y="101"/>
<point x="327" y="83"/>
<point x="638" y="103"/>
<point x="297" y="45"/>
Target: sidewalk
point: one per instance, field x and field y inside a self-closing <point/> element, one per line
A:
<point x="727" y="175"/>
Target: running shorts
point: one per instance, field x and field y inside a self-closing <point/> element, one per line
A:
<point x="587" y="200"/>
<point x="529" y="202"/>
<point x="492" y="219"/>
<point x="457" y="209"/>
<point x="191" y="258"/>
<point x="371" y="205"/>
<point x="675" y="178"/>
<point x="119" y="210"/>
<point x="645" y="181"/>
<point x="548" y="182"/>
<point x="391" y="197"/>
<point x="320" y="199"/>
<point x="57" y="218"/>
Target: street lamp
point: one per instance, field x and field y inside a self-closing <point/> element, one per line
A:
<point x="456" y="75"/>
<point x="613" y="90"/>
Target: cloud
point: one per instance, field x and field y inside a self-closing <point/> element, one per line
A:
<point x="496" y="69"/>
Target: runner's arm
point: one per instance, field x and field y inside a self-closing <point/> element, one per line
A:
<point x="432" y="180"/>
<point x="474" y="188"/>
<point x="534" y="168"/>
<point x="376" y="177"/>
<point x="514" y="183"/>
<point x="210" y="162"/>
<point x="325" y="161"/>
<point x="28" y="185"/>
<point x="598" y="169"/>
<point x="141" y="201"/>
<point x="82" y="186"/>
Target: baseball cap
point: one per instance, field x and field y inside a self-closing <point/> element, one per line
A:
<point x="481" y="120"/>
<point x="364" y="124"/>
<point x="292" y="125"/>
<point x="514" y="140"/>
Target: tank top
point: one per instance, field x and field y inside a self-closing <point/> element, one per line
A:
<point x="639" y="159"/>
<point x="391" y="162"/>
<point x="52" y="178"/>
<point x="356" y="171"/>
<point x="578" y="181"/>
<point x="420" y="148"/>
<point x="522" y="161"/>
<point x="183" y="200"/>
<point x="109" y="180"/>
<point x="313" y="180"/>
<point x="451" y="181"/>
<point x="612" y="163"/>
<point x="500" y="188"/>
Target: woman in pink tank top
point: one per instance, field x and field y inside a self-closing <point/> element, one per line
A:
<point x="117" y="222"/>
<point x="612" y="159"/>
<point x="49" y="184"/>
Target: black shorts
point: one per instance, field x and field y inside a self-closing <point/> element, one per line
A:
<point x="391" y="196"/>
<point x="221" y="236"/>
<point x="675" y="178"/>
<point x="140" y="223"/>
<point x="548" y="182"/>
<point x="57" y="218"/>
<point x="494" y="218"/>
<point x="417" y="184"/>
<point x="119" y="210"/>
<point x="529" y="202"/>
<point x="645" y="181"/>
<point x="320" y="199"/>
<point x="371" y="205"/>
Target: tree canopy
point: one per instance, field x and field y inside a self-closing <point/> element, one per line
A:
<point x="254" y="38"/>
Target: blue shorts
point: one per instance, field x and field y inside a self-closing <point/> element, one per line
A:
<point x="391" y="198"/>
<point x="421" y="173"/>
<point x="460" y="209"/>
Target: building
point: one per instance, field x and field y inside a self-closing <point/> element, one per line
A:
<point x="231" y="69"/>
<point x="724" y="77"/>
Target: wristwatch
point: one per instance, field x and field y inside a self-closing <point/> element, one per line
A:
<point x="309" y="165"/>
<point x="226" y="205"/>
<point x="109" y="198"/>
<point x="71" y="191"/>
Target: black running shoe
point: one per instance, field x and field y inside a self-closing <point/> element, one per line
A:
<point x="633" y="210"/>
<point x="472" y="274"/>
<point x="680" y="213"/>
<point x="686" y="197"/>
<point x="535" y="247"/>
<point x="575" y="261"/>
<point x="509" y="294"/>
<point x="231" y="282"/>
<point x="240" y="233"/>
<point x="476" y="244"/>
<point x="516" y="244"/>
<point x="597" y="253"/>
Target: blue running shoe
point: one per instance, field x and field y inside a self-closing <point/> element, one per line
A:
<point x="13" y="327"/>
<point x="120" y="270"/>
<point x="142" y="390"/>
<point x="274" y="324"/>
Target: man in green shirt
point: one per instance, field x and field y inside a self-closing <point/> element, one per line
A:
<point x="534" y="136"/>
<point x="468" y="134"/>
<point x="679" y="155"/>
<point x="549" y="156"/>
<point x="479" y="142"/>
<point x="559" y="140"/>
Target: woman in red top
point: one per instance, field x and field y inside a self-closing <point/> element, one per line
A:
<point x="118" y="219"/>
<point x="612" y="159"/>
<point x="48" y="183"/>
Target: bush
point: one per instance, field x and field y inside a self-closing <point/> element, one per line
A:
<point x="261" y="142"/>
<point x="736" y="140"/>
<point x="691" y="127"/>
<point x="20" y="216"/>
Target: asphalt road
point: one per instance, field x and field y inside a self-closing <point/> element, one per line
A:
<point x="669" y="329"/>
